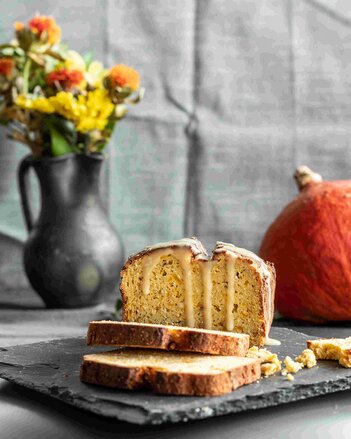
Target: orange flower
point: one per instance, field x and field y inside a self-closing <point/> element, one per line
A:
<point x="19" y="26"/>
<point x="124" y="76"/>
<point x="6" y="66"/>
<point x="65" y="77"/>
<point x="46" y="28"/>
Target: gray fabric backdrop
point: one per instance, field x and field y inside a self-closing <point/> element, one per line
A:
<point x="238" y="93"/>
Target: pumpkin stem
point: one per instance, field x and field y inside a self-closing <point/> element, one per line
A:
<point x="304" y="175"/>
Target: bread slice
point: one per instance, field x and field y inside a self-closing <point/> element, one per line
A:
<point x="169" y="372"/>
<point x="332" y="349"/>
<point x="177" y="283"/>
<point x="143" y="335"/>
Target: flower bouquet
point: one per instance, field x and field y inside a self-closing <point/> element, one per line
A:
<point x="56" y="101"/>
<point x="64" y="107"/>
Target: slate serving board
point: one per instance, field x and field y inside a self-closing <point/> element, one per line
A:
<point x="53" y="368"/>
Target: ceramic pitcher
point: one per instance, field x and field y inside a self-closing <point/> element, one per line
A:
<point x="73" y="255"/>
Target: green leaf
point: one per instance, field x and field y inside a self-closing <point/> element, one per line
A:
<point x="11" y="51"/>
<point x="64" y="131"/>
<point x="88" y="59"/>
<point x="26" y="72"/>
<point x="61" y="49"/>
<point x="59" y="145"/>
<point x="5" y="46"/>
<point x="122" y="92"/>
<point x="36" y="79"/>
<point x="66" y="128"/>
<point x="55" y="55"/>
<point x="7" y="51"/>
<point x="50" y="64"/>
<point x="19" y="52"/>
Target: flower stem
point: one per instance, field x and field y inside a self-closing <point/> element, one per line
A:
<point x="26" y="71"/>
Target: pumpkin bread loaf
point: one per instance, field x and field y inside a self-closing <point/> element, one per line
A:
<point x="176" y="283"/>
<point x="169" y="372"/>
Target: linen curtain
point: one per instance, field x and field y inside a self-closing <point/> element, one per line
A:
<point x="238" y="93"/>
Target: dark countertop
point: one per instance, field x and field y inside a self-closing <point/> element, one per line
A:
<point x="29" y="414"/>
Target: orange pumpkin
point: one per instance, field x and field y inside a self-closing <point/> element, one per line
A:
<point x="310" y="245"/>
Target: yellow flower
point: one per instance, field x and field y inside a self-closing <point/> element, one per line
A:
<point x="66" y="105"/>
<point x="90" y="112"/>
<point x="39" y="104"/>
<point x="23" y="102"/>
<point x="96" y="109"/>
<point x="44" y="105"/>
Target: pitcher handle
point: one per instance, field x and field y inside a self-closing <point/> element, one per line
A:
<point x="24" y="190"/>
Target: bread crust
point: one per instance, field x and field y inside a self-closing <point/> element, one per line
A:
<point x="112" y="333"/>
<point x="166" y="382"/>
<point x="273" y="280"/>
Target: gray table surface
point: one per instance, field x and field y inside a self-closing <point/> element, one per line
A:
<point x="24" y="413"/>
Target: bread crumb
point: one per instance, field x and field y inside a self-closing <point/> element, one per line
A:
<point x="268" y="369"/>
<point x="290" y="377"/>
<point x="292" y="366"/>
<point x="270" y="363"/>
<point x="307" y="358"/>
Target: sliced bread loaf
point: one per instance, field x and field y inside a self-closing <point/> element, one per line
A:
<point x="143" y="335"/>
<point x="177" y="283"/>
<point x="169" y="372"/>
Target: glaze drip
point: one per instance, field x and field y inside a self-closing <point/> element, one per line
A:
<point x="271" y="342"/>
<point x="231" y="275"/>
<point x="207" y="284"/>
<point x="189" y="250"/>
<point x="184" y="256"/>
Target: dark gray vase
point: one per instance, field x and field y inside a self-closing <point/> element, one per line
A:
<point x="73" y="255"/>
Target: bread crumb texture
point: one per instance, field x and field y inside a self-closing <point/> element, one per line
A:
<point x="332" y="349"/>
<point x="291" y="366"/>
<point x="170" y="361"/>
<point x="270" y="363"/>
<point x="307" y="358"/>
